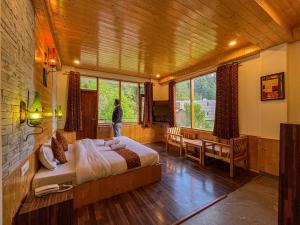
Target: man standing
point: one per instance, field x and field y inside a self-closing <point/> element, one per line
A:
<point x="117" y="118"/>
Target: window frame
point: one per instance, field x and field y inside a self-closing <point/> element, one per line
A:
<point x="120" y="94"/>
<point x="192" y="97"/>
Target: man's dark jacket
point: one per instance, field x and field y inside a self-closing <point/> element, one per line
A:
<point x="117" y="114"/>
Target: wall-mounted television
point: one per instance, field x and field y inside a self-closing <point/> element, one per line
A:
<point x="161" y="111"/>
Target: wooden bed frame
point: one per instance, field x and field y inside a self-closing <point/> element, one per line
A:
<point x="107" y="187"/>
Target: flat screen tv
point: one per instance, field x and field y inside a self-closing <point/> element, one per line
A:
<point x="161" y="111"/>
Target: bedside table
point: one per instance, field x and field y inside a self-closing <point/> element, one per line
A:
<point x="53" y="209"/>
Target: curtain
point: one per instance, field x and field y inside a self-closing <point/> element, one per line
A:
<point x="73" y="120"/>
<point x="148" y="103"/>
<point x="172" y="103"/>
<point x="226" y="116"/>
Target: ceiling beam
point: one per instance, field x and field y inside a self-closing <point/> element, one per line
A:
<point x="212" y="62"/>
<point x="276" y="17"/>
<point x="296" y="32"/>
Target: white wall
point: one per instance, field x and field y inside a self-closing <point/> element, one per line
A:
<point x="294" y="82"/>
<point x="261" y="118"/>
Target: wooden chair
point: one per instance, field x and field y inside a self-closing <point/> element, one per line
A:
<point x="175" y="138"/>
<point x="236" y="150"/>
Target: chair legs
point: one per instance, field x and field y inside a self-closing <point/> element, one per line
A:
<point x="231" y="169"/>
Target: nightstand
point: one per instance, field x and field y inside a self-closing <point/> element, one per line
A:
<point x="53" y="209"/>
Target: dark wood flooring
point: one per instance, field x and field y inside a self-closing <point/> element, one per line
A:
<point x="184" y="188"/>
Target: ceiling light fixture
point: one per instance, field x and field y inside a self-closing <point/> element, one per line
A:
<point x="76" y="61"/>
<point x="158" y="75"/>
<point x="232" y="43"/>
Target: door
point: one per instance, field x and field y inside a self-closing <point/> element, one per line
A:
<point x="89" y="108"/>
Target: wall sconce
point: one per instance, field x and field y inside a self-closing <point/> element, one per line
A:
<point x="35" y="114"/>
<point x="58" y="112"/>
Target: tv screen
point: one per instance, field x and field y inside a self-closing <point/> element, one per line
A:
<point x="161" y="111"/>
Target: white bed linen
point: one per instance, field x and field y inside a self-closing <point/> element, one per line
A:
<point x="87" y="161"/>
<point x="63" y="174"/>
<point x="93" y="162"/>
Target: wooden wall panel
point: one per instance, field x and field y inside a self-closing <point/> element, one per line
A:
<point x="135" y="132"/>
<point x="268" y="156"/>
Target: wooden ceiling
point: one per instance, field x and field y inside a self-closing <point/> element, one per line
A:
<point x="167" y="37"/>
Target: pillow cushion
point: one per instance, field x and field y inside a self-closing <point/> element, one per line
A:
<point x="62" y="140"/>
<point x="47" y="158"/>
<point x="99" y="142"/>
<point x="111" y="142"/>
<point x="58" y="151"/>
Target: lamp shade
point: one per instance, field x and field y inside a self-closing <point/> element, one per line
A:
<point x="36" y="110"/>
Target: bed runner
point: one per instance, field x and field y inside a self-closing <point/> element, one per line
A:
<point x="132" y="159"/>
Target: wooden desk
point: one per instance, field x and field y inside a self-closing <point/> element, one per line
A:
<point x="53" y="209"/>
<point x="197" y="151"/>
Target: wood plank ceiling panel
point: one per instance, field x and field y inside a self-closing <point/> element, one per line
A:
<point x="149" y="37"/>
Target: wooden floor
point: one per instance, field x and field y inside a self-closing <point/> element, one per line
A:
<point x="184" y="188"/>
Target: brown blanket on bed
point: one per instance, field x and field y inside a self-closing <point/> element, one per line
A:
<point x="132" y="159"/>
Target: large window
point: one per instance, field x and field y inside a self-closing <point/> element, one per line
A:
<point x="130" y="101"/>
<point x="183" y="104"/>
<point x="196" y="101"/>
<point x="108" y="91"/>
<point x="88" y="83"/>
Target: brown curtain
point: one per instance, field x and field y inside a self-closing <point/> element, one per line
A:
<point x="73" y="120"/>
<point x="148" y="104"/>
<point x="226" y="117"/>
<point x="172" y="103"/>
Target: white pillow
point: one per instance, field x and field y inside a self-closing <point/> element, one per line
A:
<point x="99" y="142"/>
<point x="117" y="146"/>
<point x="47" y="158"/>
<point x="111" y="142"/>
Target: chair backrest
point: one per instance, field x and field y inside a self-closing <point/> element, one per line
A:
<point x="240" y="146"/>
<point x="174" y="130"/>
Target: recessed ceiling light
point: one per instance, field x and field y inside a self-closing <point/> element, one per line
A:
<point x="232" y="43"/>
<point x="158" y="75"/>
<point x="76" y="61"/>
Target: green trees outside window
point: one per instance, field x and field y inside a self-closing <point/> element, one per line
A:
<point x="108" y="91"/>
<point x="196" y="101"/>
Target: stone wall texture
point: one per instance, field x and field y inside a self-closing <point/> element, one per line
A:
<point x="17" y="70"/>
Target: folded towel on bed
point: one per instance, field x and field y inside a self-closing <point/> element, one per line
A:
<point x="111" y="142"/>
<point x="117" y="146"/>
<point x="99" y="142"/>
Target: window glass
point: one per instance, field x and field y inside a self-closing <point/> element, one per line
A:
<point x="183" y="104"/>
<point x="88" y="83"/>
<point x="108" y="92"/>
<point x="205" y="101"/>
<point x="130" y="101"/>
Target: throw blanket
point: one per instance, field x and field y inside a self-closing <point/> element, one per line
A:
<point x="90" y="164"/>
<point x="132" y="159"/>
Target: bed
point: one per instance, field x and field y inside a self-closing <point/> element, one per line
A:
<point x="98" y="172"/>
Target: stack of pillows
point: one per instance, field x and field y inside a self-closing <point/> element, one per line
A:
<point x="110" y="144"/>
<point x="53" y="151"/>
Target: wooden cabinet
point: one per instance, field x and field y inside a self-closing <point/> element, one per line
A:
<point x="54" y="209"/>
<point x="289" y="172"/>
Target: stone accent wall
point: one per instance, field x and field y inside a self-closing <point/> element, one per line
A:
<point x="17" y="70"/>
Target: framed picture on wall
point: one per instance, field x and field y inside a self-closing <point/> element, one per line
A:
<point x="272" y="87"/>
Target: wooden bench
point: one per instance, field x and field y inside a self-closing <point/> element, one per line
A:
<point x="234" y="151"/>
<point x="177" y="138"/>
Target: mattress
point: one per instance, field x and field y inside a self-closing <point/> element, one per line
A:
<point x="63" y="174"/>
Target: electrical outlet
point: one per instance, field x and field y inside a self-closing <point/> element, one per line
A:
<point x="25" y="168"/>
